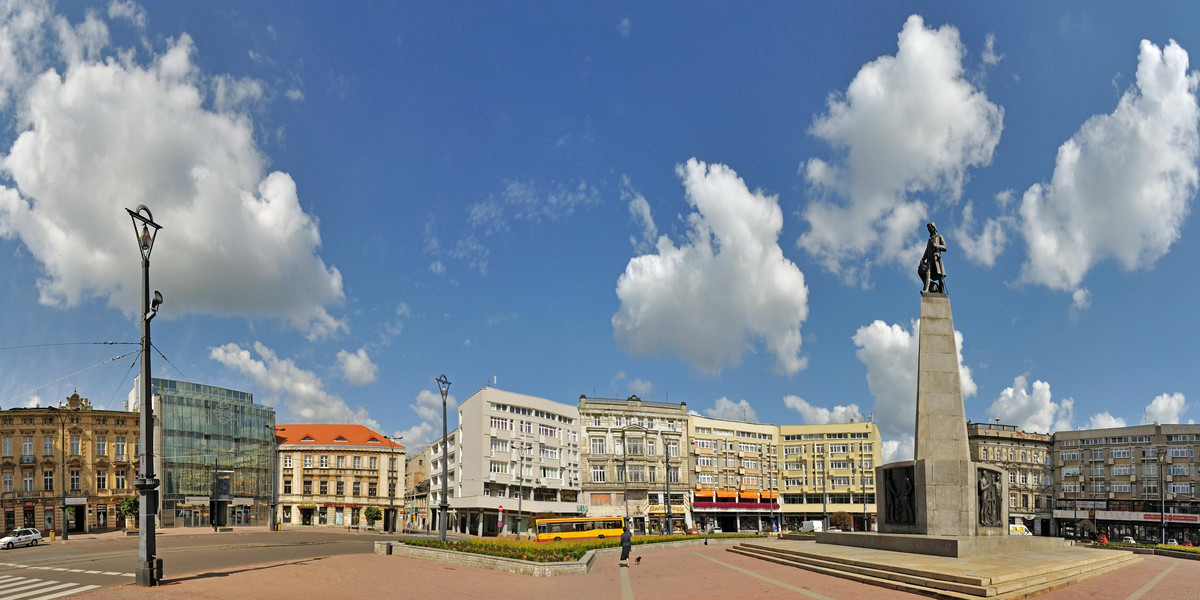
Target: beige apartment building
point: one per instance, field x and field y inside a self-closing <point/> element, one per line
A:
<point x="416" y="491"/>
<point x="828" y="469"/>
<point x="331" y="473"/>
<point x="1129" y="481"/>
<point x="735" y="472"/>
<point x="635" y="462"/>
<point x="1027" y="458"/>
<point x="69" y="455"/>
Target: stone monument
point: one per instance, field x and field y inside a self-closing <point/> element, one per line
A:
<point x="941" y="502"/>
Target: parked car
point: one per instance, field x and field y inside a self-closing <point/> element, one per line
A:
<point x="1172" y="542"/>
<point x="1102" y="539"/>
<point x="1186" y="542"/>
<point x="1128" y="540"/>
<point x="20" y="537"/>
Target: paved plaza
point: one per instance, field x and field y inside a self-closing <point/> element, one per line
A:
<point x="687" y="572"/>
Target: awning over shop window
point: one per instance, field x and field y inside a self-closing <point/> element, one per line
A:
<point x="769" y="495"/>
<point x="704" y="493"/>
<point x="726" y="494"/>
<point x="749" y="495"/>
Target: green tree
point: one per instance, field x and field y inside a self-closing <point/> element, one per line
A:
<point x="129" y="507"/>
<point x="372" y="514"/>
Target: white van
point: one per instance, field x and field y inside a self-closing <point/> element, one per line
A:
<point x="1016" y="529"/>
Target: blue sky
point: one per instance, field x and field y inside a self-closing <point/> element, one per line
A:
<point x="708" y="203"/>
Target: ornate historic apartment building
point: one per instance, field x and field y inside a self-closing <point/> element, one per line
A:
<point x="1028" y="459"/>
<point x="513" y="456"/>
<point x="828" y="469"/>
<point x="71" y="455"/>
<point x="635" y="456"/>
<point x="734" y="474"/>
<point x="1134" y="481"/>
<point x="330" y="474"/>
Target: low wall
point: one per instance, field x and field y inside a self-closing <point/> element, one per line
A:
<point x="524" y="567"/>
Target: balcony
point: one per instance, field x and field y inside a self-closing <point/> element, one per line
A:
<point x="28" y="459"/>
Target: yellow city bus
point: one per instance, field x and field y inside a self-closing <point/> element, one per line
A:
<point x="580" y="528"/>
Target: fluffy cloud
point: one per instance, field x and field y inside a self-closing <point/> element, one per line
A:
<point x="907" y="123"/>
<point x="428" y="408"/>
<point x="98" y="134"/>
<point x="1104" y="420"/>
<point x="890" y="355"/>
<point x="709" y="299"/>
<point x="816" y="415"/>
<point x="724" y="408"/>
<point x="985" y="246"/>
<point x="1165" y="408"/>
<point x="298" y="392"/>
<point x="639" y="212"/>
<point x="1034" y="412"/>
<point x="357" y="368"/>
<point x="1123" y="183"/>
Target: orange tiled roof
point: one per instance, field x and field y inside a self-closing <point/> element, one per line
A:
<point x="331" y="433"/>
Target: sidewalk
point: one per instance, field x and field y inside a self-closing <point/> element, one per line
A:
<point x="664" y="574"/>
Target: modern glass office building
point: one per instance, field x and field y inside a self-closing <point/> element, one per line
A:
<point x="214" y="453"/>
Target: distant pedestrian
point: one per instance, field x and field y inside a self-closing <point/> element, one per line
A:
<point x="626" y="546"/>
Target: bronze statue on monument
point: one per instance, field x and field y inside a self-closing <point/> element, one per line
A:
<point x="931" y="270"/>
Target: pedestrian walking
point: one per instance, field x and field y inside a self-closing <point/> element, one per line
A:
<point x="626" y="546"/>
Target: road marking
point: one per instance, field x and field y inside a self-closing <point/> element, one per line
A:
<point x="798" y="590"/>
<point x="66" y="570"/>
<point x="39" y="589"/>
<point x="1153" y="582"/>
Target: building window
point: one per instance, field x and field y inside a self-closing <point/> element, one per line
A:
<point x="323" y="486"/>
<point x="308" y="461"/>
<point x="341" y="488"/>
<point x="48" y="445"/>
<point x="356" y="488"/>
<point x="8" y="445"/>
<point x="633" y="446"/>
<point x="8" y="482"/>
<point x="102" y="479"/>
<point x="324" y="461"/>
<point x="287" y="486"/>
<point x="649" y="447"/>
<point x="121" y="479"/>
<point x="27" y="481"/>
<point x="287" y="461"/>
<point x="341" y="462"/>
<point x="372" y="489"/>
<point x="74" y="445"/>
<point x="374" y="463"/>
<point x="102" y="445"/>
<point x="75" y="480"/>
<point x="27" y="445"/>
<point x="597" y="445"/>
<point x="307" y="487"/>
<point x="357" y="460"/>
<point x="673" y="449"/>
<point x="598" y="475"/>
<point x="119" y="450"/>
<point x="48" y="481"/>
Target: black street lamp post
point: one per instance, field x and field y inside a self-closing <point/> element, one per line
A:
<point x="1162" y="495"/>
<point x="149" y="566"/>
<point x="274" y="500"/>
<point x="395" y="480"/>
<point x="444" y="505"/>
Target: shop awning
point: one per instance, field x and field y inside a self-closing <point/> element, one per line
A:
<point x="704" y="493"/>
<point x="769" y="495"/>
<point x="726" y="494"/>
<point x="749" y="495"/>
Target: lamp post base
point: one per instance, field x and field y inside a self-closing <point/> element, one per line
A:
<point x="148" y="574"/>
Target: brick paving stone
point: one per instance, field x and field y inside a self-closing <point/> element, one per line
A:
<point x="684" y="573"/>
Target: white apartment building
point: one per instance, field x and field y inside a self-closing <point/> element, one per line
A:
<point x="513" y="456"/>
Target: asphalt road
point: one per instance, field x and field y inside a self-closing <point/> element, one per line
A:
<point x="110" y="561"/>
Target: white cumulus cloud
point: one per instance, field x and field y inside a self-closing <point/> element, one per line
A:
<point x="1034" y="411"/>
<point x="724" y="408"/>
<point x="1165" y="408"/>
<point x="907" y="123"/>
<point x="98" y="133"/>
<point x="357" y="367"/>
<point x="1122" y="185"/>
<point x="1104" y="420"/>
<point x="818" y="415"/>
<point x="709" y="299"/>
<point x="296" y="391"/>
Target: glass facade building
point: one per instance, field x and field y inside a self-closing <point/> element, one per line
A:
<point x="214" y="451"/>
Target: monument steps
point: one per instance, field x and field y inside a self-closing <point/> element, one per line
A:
<point x="942" y="577"/>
